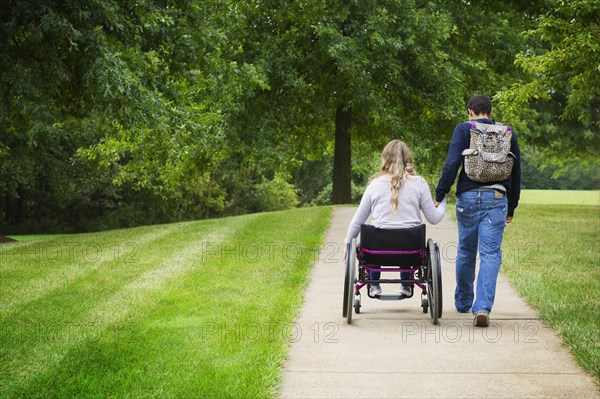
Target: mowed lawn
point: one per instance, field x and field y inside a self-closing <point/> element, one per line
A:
<point x="199" y="309"/>
<point x="551" y="254"/>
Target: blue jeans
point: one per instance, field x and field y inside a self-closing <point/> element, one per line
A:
<point x="481" y="217"/>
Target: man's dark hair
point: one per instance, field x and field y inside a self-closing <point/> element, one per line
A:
<point x="480" y="104"/>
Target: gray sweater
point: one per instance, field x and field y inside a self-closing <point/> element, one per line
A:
<point x="414" y="196"/>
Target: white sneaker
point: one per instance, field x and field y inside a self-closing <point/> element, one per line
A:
<point x="405" y="290"/>
<point x="375" y="290"/>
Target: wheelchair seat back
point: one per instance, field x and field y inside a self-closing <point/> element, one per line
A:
<point x="392" y="247"/>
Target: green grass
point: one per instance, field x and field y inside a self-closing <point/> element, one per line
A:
<point x="551" y="254"/>
<point x="561" y="197"/>
<point x="198" y="309"/>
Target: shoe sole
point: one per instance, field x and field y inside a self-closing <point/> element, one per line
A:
<point x="482" y="320"/>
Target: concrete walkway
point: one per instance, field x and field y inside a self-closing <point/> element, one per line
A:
<point x="392" y="350"/>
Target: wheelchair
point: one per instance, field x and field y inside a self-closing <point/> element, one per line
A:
<point x="393" y="250"/>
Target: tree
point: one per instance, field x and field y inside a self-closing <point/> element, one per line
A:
<point x="156" y="111"/>
<point x="372" y="71"/>
<point x="344" y="66"/>
<point x="113" y="110"/>
<point x="557" y="102"/>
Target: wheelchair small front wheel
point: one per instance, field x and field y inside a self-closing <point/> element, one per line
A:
<point x="357" y="305"/>
<point x="425" y="305"/>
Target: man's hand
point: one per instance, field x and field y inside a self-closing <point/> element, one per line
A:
<point x="436" y="203"/>
<point x="509" y="219"/>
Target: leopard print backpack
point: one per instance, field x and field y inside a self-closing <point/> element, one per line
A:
<point x="488" y="158"/>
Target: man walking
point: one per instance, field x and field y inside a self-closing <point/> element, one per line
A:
<point x="483" y="210"/>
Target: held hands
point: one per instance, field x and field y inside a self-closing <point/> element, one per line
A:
<point x="437" y="203"/>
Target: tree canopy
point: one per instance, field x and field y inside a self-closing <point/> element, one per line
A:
<point x="117" y="113"/>
<point x="557" y="103"/>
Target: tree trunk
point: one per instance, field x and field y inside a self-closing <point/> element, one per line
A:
<point x="342" y="165"/>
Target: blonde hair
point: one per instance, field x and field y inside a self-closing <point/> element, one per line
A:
<point x="396" y="161"/>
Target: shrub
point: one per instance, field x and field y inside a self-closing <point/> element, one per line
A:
<point x="272" y="195"/>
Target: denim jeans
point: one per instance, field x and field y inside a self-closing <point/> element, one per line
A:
<point x="481" y="217"/>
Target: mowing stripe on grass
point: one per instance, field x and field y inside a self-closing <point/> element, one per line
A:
<point x="206" y="312"/>
<point x="137" y="293"/>
<point x="15" y="298"/>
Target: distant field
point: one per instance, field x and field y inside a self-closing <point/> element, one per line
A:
<point x="561" y="197"/>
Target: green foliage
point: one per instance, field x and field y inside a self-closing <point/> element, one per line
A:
<point x="557" y="104"/>
<point x="114" y="114"/>
<point x="311" y="177"/>
<point x="272" y="195"/>
<point x="405" y="69"/>
<point x="117" y="114"/>
<point x="542" y="172"/>
<point x="325" y="195"/>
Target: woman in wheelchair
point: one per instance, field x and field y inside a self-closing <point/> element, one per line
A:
<point x="395" y="197"/>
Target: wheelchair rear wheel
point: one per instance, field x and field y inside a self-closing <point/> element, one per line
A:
<point x="350" y="277"/>
<point x="434" y="281"/>
<point x="439" y="274"/>
<point x="349" y="281"/>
